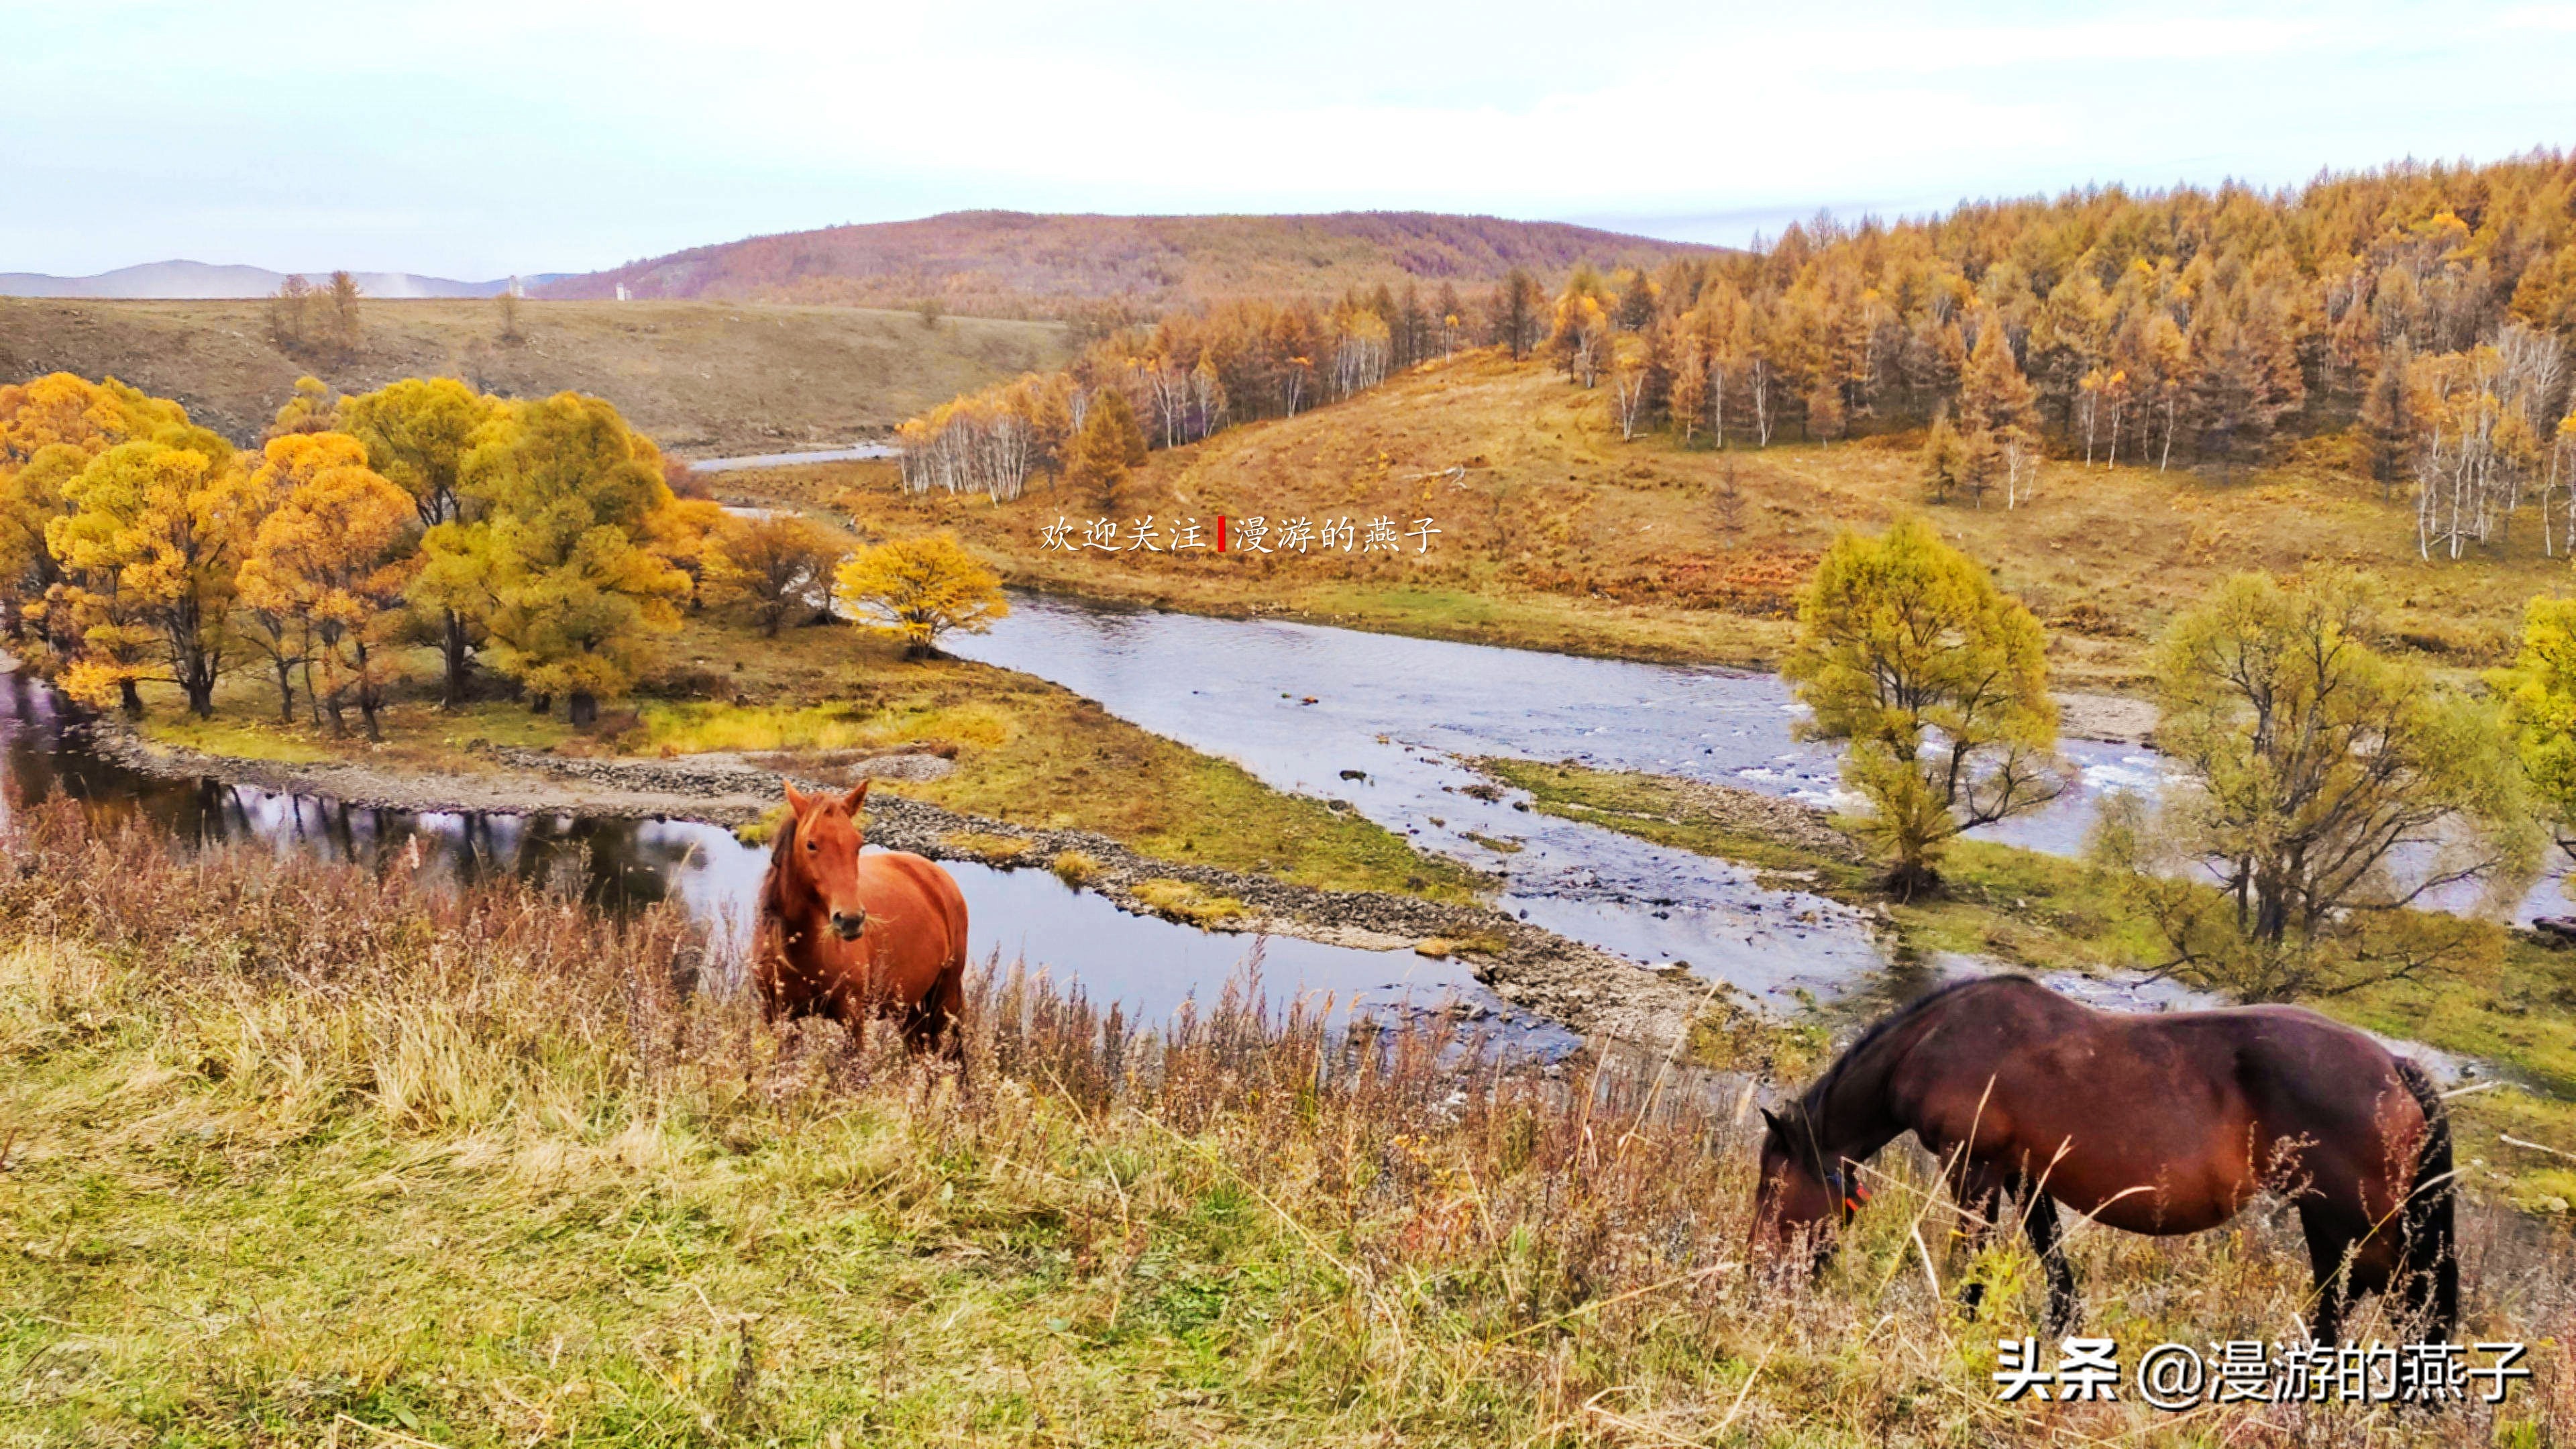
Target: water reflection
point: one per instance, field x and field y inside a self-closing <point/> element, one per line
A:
<point x="1381" y="721"/>
<point x="1148" y="964"/>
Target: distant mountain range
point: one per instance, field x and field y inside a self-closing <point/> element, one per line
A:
<point x="1004" y="263"/>
<point x="1008" y="263"/>
<point x="175" y="280"/>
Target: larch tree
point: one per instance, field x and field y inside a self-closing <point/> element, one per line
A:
<point x="1515" y="312"/>
<point x="290" y="316"/>
<point x="1579" y="339"/>
<point x="1935" y="681"/>
<point x="341" y="307"/>
<point x="1945" y="460"/>
<point x="1686" y="399"/>
<point x="1109" y="444"/>
<point x="918" y="589"/>
<point x="1997" y="414"/>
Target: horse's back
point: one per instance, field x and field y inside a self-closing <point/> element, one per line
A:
<point x="2195" y="1101"/>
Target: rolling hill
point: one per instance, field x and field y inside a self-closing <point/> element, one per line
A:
<point x="185" y="280"/>
<point x="703" y="378"/>
<point x="1006" y="263"/>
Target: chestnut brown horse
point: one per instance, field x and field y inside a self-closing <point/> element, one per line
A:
<point x="2155" y="1123"/>
<point x="853" y="936"/>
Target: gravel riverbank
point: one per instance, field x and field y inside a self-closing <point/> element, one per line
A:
<point x="1589" y="989"/>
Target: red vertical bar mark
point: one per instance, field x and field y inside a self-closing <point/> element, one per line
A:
<point x="1220" y="533"/>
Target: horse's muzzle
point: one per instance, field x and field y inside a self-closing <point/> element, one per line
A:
<point x="849" y="923"/>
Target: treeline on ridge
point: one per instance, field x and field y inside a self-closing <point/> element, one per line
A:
<point x="2421" y="311"/>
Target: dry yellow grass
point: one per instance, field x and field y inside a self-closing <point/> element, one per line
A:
<point x="297" y="1154"/>
<point x="703" y="378"/>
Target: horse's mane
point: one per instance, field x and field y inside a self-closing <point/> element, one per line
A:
<point x="1813" y="1099"/>
<point x="781" y="840"/>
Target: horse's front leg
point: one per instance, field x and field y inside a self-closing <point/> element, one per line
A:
<point x="1980" y="1196"/>
<point x="2039" y="1215"/>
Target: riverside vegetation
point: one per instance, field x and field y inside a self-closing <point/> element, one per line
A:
<point x="300" y="1153"/>
<point x="431" y="569"/>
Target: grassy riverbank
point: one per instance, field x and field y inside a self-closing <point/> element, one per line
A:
<point x="296" y="1155"/>
<point x="1014" y="748"/>
<point x="2507" y="998"/>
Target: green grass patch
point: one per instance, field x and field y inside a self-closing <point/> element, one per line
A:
<point x="1183" y="901"/>
<point x="701" y="727"/>
<point x="237" y="737"/>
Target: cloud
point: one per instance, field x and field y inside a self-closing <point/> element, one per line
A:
<point x="481" y="137"/>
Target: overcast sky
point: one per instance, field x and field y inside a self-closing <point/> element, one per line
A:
<point x="481" y="138"/>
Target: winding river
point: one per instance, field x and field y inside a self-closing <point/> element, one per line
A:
<point x="1149" y="964"/>
<point x="1381" y="723"/>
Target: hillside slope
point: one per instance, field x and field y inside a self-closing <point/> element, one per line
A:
<point x="702" y="378"/>
<point x="1554" y="533"/>
<point x="1016" y="263"/>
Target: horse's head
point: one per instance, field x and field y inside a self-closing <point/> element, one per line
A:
<point x="823" y="848"/>
<point x="1801" y="1197"/>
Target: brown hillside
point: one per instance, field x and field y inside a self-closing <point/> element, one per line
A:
<point x="1015" y="263"/>
<point x="1555" y="533"/>
<point x="702" y="378"/>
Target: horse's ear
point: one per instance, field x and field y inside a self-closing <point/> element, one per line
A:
<point x="798" y="801"/>
<point x="1778" y="1128"/>
<point x="857" y="797"/>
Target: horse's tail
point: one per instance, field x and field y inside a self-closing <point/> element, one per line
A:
<point x="2431" y="1244"/>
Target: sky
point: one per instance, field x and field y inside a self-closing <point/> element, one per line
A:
<point x="486" y="138"/>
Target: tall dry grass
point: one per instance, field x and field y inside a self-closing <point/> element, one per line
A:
<point x="515" y="1171"/>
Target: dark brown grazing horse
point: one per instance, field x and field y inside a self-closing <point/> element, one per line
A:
<point x="2155" y="1123"/>
<point x="853" y="936"/>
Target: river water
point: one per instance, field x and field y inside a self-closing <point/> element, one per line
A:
<point x="1380" y="723"/>
<point x="1386" y="724"/>
<point x="1149" y="964"/>
<point x="851" y="454"/>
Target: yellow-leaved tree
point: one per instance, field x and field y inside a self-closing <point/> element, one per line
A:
<point x="1108" y="444"/>
<point x="771" y="568"/>
<point x="920" y="588"/>
<point x="555" y="559"/>
<point x="154" y="537"/>
<point x="50" y="427"/>
<point x="418" y="432"/>
<point x="1936" y="682"/>
<point x="323" y="582"/>
<point x="311" y="409"/>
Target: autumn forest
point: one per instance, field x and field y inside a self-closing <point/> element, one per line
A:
<point x="2420" y="314"/>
